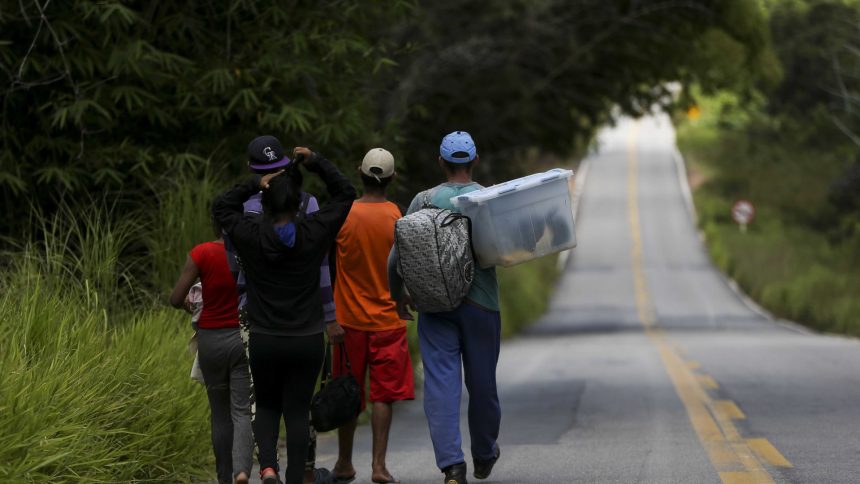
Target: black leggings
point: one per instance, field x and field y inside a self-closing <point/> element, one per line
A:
<point x="285" y="371"/>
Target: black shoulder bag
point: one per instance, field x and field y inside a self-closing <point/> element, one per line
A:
<point x="339" y="399"/>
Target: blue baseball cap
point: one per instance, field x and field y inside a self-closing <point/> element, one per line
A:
<point x="458" y="147"/>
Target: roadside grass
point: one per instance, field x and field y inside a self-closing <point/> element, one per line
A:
<point x="94" y="386"/>
<point x="525" y="292"/>
<point x="792" y="271"/>
<point x="789" y="260"/>
<point x="179" y="219"/>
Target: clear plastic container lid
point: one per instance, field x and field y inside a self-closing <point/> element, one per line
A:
<point x="526" y="182"/>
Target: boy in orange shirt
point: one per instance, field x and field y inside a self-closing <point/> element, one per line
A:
<point x="374" y="325"/>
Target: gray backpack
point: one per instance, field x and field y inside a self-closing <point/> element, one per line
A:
<point x="435" y="257"/>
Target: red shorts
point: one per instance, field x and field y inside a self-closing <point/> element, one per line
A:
<point x="386" y="354"/>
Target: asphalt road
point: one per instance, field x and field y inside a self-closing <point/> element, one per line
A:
<point x="648" y="367"/>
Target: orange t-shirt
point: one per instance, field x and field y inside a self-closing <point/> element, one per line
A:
<point x="361" y="296"/>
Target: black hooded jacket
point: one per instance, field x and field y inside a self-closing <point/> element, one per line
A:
<point x="283" y="280"/>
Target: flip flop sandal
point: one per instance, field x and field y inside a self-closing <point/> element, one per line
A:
<point x="340" y="479"/>
<point x="322" y="476"/>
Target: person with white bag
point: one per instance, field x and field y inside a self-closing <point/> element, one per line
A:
<point x="221" y="356"/>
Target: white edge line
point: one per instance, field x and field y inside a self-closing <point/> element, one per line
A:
<point x="753" y="306"/>
<point x="685" y="185"/>
<point x="578" y="186"/>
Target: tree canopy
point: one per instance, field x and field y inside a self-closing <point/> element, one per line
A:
<point x="110" y="95"/>
<point x="546" y="74"/>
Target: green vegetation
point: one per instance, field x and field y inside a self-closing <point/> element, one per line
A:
<point x="525" y="291"/>
<point x="179" y="219"/>
<point x="121" y="120"/>
<point x="94" y="386"/>
<point x="794" y="266"/>
<point x="790" y="151"/>
<point x="105" y="95"/>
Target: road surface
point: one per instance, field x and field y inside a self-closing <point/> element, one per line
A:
<point x="648" y="367"/>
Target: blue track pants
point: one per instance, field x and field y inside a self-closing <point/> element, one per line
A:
<point x="468" y="338"/>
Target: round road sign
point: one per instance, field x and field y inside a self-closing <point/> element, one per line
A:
<point x="743" y="212"/>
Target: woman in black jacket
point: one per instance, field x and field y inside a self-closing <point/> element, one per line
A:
<point x="281" y="255"/>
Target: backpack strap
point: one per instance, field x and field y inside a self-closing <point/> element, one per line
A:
<point x="452" y="217"/>
<point x="304" y="201"/>
<point x="303" y="205"/>
<point x="427" y="199"/>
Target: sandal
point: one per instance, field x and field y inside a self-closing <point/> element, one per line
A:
<point x="269" y="476"/>
<point x="322" y="476"/>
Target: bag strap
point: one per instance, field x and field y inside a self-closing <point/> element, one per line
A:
<point x="326" y="369"/>
<point x="345" y="356"/>
<point x="452" y="217"/>
<point x="427" y="201"/>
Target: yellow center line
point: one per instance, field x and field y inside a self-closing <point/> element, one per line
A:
<point x="735" y="459"/>
<point x="729" y="410"/>
<point x="767" y="452"/>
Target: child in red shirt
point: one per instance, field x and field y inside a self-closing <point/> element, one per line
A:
<point x="222" y="358"/>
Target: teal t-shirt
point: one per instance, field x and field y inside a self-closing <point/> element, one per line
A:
<point x="485" y="287"/>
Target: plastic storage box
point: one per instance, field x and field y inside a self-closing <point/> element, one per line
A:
<point x="520" y="220"/>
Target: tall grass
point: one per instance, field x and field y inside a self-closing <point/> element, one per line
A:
<point x="791" y="259"/>
<point x="91" y="245"/>
<point x="179" y="220"/>
<point x="94" y="385"/>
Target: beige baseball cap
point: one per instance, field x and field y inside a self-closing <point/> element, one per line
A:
<point x="378" y="163"/>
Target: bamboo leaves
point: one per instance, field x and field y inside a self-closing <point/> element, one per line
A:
<point x="158" y="80"/>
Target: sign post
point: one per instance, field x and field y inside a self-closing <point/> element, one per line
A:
<point x="743" y="212"/>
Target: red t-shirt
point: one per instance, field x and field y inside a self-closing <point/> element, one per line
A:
<point x="220" y="298"/>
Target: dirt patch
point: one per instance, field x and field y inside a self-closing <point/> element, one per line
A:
<point x="696" y="175"/>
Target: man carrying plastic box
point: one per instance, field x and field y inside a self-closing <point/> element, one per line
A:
<point x="375" y="333"/>
<point x="467" y="337"/>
